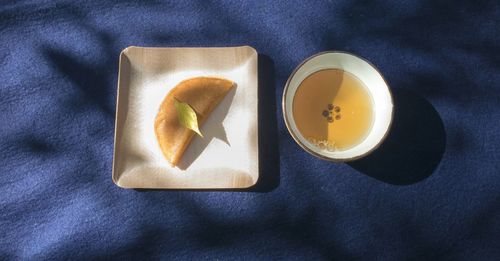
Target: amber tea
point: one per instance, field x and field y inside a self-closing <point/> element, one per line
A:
<point x="333" y="109"/>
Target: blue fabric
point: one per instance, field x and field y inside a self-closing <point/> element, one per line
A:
<point x="432" y="191"/>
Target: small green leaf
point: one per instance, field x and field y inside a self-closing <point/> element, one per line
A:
<point x="187" y="116"/>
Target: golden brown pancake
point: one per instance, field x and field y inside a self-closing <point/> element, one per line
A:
<point x="202" y="94"/>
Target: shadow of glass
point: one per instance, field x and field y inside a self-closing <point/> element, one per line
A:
<point x="212" y="128"/>
<point x="414" y="146"/>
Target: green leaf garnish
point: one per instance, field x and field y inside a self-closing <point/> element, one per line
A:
<point x="187" y="116"/>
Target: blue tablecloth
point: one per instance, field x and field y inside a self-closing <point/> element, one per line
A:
<point x="432" y="191"/>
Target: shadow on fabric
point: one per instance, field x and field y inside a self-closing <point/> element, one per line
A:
<point x="269" y="165"/>
<point x="414" y="146"/>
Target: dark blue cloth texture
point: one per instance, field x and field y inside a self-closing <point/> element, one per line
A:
<point x="430" y="192"/>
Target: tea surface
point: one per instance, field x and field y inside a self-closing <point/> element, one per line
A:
<point x="333" y="109"/>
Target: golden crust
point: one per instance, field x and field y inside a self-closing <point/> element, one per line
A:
<point x="203" y="94"/>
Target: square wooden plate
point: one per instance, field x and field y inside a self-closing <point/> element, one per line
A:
<point x="226" y="157"/>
